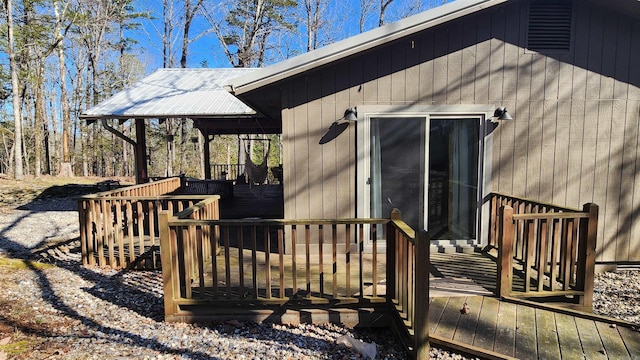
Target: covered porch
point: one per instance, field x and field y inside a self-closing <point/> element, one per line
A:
<point x="194" y="94"/>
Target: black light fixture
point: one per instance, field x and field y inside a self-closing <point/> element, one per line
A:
<point x="351" y="114"/>
<point x="502" y="114"/>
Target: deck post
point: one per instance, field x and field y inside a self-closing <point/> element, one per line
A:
<point x="421" y="296"/>
<point x="166" y="257"/>
<point x="493" y="220"/>
<point x="587" y="255"/>
<point x="505" y="250"/>
<point x="391" y="256"/>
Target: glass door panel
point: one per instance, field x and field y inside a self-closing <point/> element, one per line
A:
<point x="397" y="168"/>
<point x="453" y="178"/>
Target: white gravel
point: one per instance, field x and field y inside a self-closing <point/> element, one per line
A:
<point x="101" y="313"/>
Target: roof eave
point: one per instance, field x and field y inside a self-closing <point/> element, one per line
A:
<point x="167" y="116"/>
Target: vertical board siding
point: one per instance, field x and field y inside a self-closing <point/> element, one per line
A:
<point x="426" y="67"/>
<point x="454" y="65"/>
<point x="562" y="150"/>
<point x="576" y="130"/>
<point x="329" y="154"/>
<point x="602" y="168"/>
<point x="628" y="186"/>
<point x="302" y="170"/>
<point x="469" y="60"/>
<point x="615" y="200"/>
<point x="398" y="76"/>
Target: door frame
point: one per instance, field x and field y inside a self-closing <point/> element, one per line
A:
<point x="365" y="113"/>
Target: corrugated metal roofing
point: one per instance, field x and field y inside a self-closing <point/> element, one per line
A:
<point x="191" y="93"/>
<point x="359" y="43"/>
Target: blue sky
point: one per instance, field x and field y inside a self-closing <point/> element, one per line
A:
<point x="206" y="50"/>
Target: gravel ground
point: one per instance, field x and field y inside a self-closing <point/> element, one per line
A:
<point x="66" y="311"/>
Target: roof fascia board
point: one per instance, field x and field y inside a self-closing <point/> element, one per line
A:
<point x="358" y="43"/>
<point x="173" y="116"/>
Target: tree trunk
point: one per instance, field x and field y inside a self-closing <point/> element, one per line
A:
<point x="18" y="171"/>
<point x="65" y="166"/>
<point x="38" y="123"/>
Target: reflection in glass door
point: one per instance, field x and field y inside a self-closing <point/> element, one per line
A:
<point x="397" y="168"/>
<point x="453" y="178"/>
<point x="397" y="176"/>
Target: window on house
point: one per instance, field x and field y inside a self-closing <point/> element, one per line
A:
<point x="550" y="25"/>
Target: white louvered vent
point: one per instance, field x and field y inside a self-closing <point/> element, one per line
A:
<point x="550" y="25"/>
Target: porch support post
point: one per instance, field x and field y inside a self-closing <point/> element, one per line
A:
<point x="207" y="153"/>
<point x="141" y="152"/>
<point x="505" y="250"/>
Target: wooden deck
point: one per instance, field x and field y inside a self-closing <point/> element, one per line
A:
<point x="504" y="329"/>
<point x="514" y="328"/>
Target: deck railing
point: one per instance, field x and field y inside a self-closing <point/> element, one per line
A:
<point x="119" y="228"/>
<point x="263" y="266"/>
<point x="551" y="248"/>
<point x="226" y="171"/>
<point x="408" y="285"/>
<point x="325" y="263"/>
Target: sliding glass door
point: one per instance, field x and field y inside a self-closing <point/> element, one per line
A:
<point x="430" y="175"/>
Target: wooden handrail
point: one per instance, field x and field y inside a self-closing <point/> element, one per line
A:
<point x="408" y="284"/>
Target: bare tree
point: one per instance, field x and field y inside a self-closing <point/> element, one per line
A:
<point x="18" y="171"/>
<point x="60" y="10"/>
<point x="190" y="11"/>
<point x="366" y="7"/>
<point x="244" y="32"/>
<point x="314" y="10"/>
<point x="383" y="8"/>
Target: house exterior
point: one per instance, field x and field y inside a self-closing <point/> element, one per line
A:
<point x="422" y="94"/>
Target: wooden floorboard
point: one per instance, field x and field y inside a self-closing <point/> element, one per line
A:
<point x="568" y="337"/>
<point x="486" y="329"/>
<point x="613" y="345"/>
<point x="589" y="339"/>
<point x="520" y="330"/>
<point x="506" y="329"/>
<point x="526" y="336"/>
<point x="631" y="340"/>
<point x="468" y="323"/>
<point x="548" y="345"/>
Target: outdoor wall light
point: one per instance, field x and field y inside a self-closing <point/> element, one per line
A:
<point x="502" y="114"/>
<point x="351" y="114"/>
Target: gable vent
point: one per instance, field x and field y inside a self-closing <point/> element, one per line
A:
<point x="550" y="25"/>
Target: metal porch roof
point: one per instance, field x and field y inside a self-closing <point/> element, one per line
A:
<point x="166" y="93"/>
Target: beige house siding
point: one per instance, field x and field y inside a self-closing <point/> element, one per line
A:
<point x="575" y="135"/>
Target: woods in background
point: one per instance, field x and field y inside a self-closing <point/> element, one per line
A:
<point x="61" y="57"/>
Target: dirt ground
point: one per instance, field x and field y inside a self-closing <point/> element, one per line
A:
<point x="14" y="193"/>
<point x="21" y="334"/>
